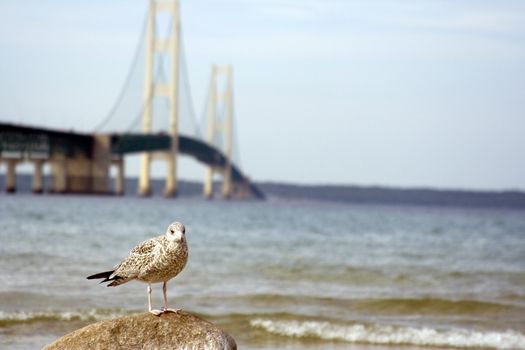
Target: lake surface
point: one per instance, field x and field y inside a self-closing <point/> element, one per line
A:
<point x="275" y="274"/>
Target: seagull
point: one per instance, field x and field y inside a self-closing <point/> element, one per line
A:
<point x="155" y="260"/>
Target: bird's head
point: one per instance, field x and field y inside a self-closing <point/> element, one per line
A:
<point x="176" y="232"/>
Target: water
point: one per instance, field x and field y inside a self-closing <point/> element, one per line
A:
<point x="275" y="274"/>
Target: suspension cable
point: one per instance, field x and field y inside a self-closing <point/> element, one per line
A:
<point x="186" y="82"/>
<point x="127" y="81"/>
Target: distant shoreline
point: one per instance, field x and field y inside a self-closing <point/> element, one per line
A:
<point x="397" y="196"/>
<point x="350" y="194"/>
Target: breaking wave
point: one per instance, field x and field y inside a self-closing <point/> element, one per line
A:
<point x="395" y="306"/>
<point x="18" y="317"/>
<point x="392" y="335"/>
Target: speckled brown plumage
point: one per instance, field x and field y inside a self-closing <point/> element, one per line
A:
<point x="155" y="260"/>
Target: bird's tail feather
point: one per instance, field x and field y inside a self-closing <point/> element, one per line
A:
<point x="115" y="280"/>
<point x="101" y="275"/>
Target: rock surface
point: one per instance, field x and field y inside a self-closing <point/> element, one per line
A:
<point x="145" y="331"/>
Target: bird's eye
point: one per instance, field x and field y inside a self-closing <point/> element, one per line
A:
<point x="171" y="230"/>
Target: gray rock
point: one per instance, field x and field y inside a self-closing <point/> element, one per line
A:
<point x="145" y="331"/>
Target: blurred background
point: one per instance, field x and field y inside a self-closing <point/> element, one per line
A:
<point x="398" y="93"/>
<point x="381" y="142"/>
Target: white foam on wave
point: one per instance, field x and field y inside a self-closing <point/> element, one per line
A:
<point x="385" y="334"/>
<point x="80" y="315"/>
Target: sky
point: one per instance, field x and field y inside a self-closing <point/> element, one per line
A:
<point x="403" y="93"/>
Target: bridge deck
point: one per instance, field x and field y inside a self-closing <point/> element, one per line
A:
<point x="34" y="142"/>
<point x="43" y="142"/>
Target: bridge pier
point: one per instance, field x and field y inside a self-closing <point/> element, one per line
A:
<point x="81" y="173"/>
<point x="77" y="174"/>
<point x="99" y="165"/>
<point x="38" y="180"/>
<point x="10" y="181"/>
<point x="170" y="185"/>
<point x="170" y="188"/>
<point x="119" y="180"/>
<point x="144" y="189"/>
<point x="59" y="175"/>
<point x="227" y="184"/>
<point x="207" y="190"/>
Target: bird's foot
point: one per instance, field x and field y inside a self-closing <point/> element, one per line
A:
<point x="156" y="312"/>
<point x="164" y="309"/>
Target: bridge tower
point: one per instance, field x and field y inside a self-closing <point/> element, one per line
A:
<point x="220" y="99"/>
<point x="161" y="45"/>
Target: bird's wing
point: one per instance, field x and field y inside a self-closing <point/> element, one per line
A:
<point x="139" y="258"/>
<point x="147" y="247"/>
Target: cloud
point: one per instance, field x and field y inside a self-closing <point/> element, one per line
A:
<point x="55" y="26"/>
<point x="313" y="45"/>
<point x="473" y="21"/>
<point x="333" y="29"/>
<point x="461" y="15"/>
<point x="287" y="9"/>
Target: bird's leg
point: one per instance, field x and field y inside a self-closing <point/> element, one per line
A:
<point x="149" y="297"/>
<point x="154" y="312"/>
<point x="165" y="297"/>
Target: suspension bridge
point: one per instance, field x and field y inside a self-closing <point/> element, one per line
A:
<point x="152" y="116"/>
